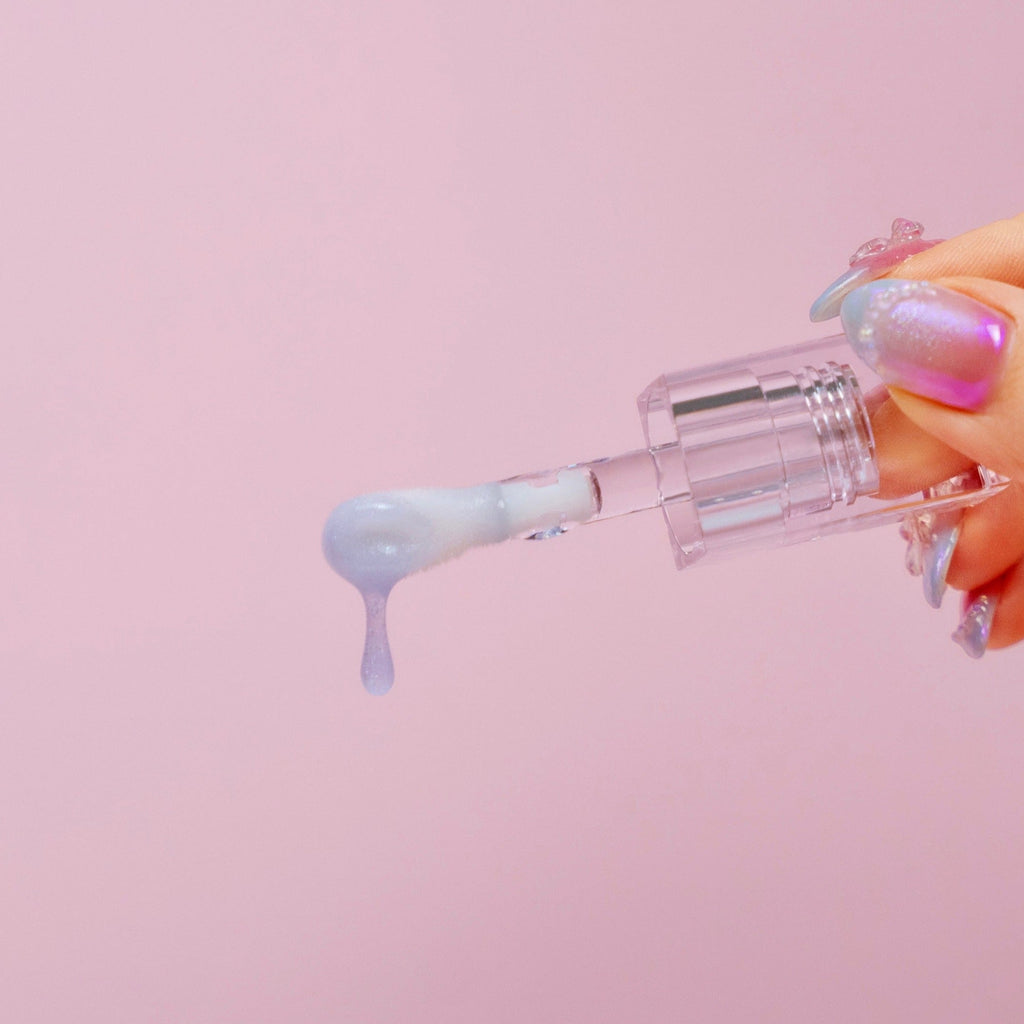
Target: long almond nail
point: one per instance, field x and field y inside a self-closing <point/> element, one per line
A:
<point x="931" y="540"/>
<point x="976" y="624"/>
<point x="937" y="556"/>
<point x="871" y="261"/>
<point x="938" y="343"/>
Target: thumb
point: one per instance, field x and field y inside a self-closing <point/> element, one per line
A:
<point x="946" y="349"/>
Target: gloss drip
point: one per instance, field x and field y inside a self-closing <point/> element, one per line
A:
<point x="376" y="540"/>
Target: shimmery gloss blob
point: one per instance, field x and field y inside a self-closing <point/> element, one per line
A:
<point x="375" y="540"/>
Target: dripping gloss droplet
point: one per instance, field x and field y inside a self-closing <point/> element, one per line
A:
<point x="375" y="540"/>
<point x="377" y="670"/>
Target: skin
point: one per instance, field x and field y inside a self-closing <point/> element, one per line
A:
<point x="922" y="442"/>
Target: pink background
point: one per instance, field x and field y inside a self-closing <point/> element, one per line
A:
<point x="261" y="257"/>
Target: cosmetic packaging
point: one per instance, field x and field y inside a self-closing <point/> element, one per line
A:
<point x="760" y="451"/>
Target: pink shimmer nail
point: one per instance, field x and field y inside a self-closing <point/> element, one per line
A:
<point x="935" y="342"/>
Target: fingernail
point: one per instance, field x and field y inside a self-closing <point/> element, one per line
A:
<point x="938" y="343"/>
<point x="931" y="540"/>
<point x="976" y="624"/>
<point x="871" y="261"/>
<point x="935" y="563"/>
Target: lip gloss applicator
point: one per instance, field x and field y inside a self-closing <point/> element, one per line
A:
<point x="761" y="451"/>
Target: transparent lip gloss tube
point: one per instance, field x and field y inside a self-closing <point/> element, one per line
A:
<point x="761" y="451"/>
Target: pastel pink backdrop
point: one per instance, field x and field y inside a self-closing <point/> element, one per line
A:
<point x="261" y="257"/>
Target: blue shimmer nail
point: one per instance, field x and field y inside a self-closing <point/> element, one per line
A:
<point x="937" y="556"/>
<point x="871" y="261"/>
<point x="973" y="632"/>
<point x="828" y="303"/>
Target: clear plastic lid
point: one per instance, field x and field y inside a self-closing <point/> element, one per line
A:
<point x="775" y="449"/>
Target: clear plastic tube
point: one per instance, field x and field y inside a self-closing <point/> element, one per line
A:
<point x="762" y="451"/>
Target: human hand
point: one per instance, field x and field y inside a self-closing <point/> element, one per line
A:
<point x="946" y="351"/>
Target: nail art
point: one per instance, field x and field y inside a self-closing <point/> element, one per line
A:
<point x="935" y="342"/>
<point x="938" y="555"/>
<point x="870" y="262"/>
<point x="976" y="624"/>
<point x="916" y="533"/>
<point x="932" y="535"/>
<point x="931" y="539"/>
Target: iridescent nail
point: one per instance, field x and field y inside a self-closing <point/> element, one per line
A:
<point x="932" y="535"/>
<point x="871" y="261"/>
<point x="931" y="540"/>
<point x="937" y="557"/>
<point x="938" y="343"/>
<point x="976" y="624"/>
